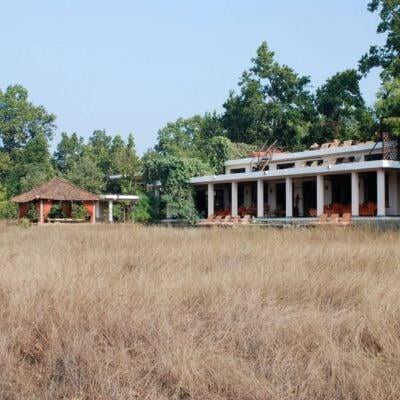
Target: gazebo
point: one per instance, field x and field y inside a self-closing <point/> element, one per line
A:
<point x="56" y="190"/>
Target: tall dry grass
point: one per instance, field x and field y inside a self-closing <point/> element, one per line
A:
<point x="123" y="312"/>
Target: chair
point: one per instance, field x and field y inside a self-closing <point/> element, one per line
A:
<point x="245" y="220"/>
<point x="322" y="220"/>
<point x="333" y="219"/>
<point x="346" y="220"/>
<point x="226" y="220"/>
<point x="312" y="212"/>
<point x="207" y="221"/>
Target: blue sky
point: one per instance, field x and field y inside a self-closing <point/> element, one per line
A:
<point x="132" y="66"/>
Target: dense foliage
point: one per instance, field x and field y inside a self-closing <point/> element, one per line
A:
<point x="273" y="103"/>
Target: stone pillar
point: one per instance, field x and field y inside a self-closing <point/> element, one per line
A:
<point x="289" y="197"/>
<point x="234" y="200"/>
<point x="93" y="217"/>
<point x="380" y="186"/>
<point x="110" y="211"/>
<point x="260" y="198"/>
<point x="320" y="195"/>
<point x="41" y="216"/>
<point x="210" y="210"/>
<point x="355" y="195"/>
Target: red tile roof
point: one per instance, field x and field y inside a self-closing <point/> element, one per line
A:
<point x="56" y="189"/>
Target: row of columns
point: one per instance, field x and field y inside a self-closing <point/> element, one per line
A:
<point x="355" y="196"/>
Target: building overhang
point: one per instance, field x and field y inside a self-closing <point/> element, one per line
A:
<point x="118" y="197"/>
<point x="363" y="166"/>
<point x="341" y="151"/>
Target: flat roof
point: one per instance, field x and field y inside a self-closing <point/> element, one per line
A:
<point x="310" y="154"/>
<point x="298" y="172"/>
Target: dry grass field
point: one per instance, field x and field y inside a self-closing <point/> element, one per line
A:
<point x="125" y="312"/>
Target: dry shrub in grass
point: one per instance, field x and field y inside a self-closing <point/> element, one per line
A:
<point x="124" y="312"/>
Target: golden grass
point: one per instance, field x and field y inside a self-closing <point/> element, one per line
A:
<point x="124" y="312"/>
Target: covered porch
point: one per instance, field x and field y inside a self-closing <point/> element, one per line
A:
<point x="361" y="192"/>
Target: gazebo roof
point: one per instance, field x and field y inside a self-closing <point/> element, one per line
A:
<point x="56" y="189"/>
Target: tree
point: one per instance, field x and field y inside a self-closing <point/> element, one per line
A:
<point x="86" y="173"/>
<point x="274" y="104"/>
<point x="20" y="120"/>
<point x="125" y="161"/>
<point x="388" y="106"/>
<point x="31" y="165"/>
<point x="388" y="55"/>
<point x="342" y="109"/>
<point x="100" y="148"/>
<point x="69" y="150"/>
<point x="174" y="174"/>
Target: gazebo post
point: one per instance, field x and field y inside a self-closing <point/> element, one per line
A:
<point x="41" y="217"/>
<point x="93" y="217"/>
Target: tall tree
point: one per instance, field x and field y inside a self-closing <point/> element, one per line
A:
<point x="69" y="150"/>
<point x="20" y="120"/>
<point x="342" y="109"/>
<point x="32" y="165"/>
<point x="274" y="103"/>
<point x="388" y="106"/>
<point x="388" y="55"/>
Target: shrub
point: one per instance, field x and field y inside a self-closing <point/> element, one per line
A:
<point x="8" y="210"/>
<point x="142" y="210"/>
<point x="78" y="211"/>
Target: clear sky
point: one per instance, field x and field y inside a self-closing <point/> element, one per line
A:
<point x="132" y="66"/>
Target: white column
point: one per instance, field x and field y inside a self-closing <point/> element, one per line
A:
<point x="380" y="185"/>
<point x="210" y="199"/>
<point x="355" y="195"/>
<point x="260" y="198"/>
<point x="289" y="197"/>
<point x="234" y="201"/>
<point x="110" y="211"/>
<point x="320" y="195"/>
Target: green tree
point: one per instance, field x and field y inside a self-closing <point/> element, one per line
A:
<point x="86" y="173"/>
<point x="388" y="106"/>
<point x="174" y="174"/>
<point x="343" y="113"/>
<point x="388" y="55"/>
<point x="274" y="103"/>
<point x="69" y="150"/>
<point x="20" y="120"/>
<point x="126" y="162"/>
<point x="31" y="165"/>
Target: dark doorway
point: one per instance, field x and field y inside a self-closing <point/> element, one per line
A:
<point x="280" y="198"/>
<point x="370" y="188"/>
<point x="309" y="196"/>
<point x="200" y="200"/>
<point x="341" y="189"/>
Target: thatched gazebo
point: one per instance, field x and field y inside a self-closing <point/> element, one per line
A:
<point x="56" y="190"/>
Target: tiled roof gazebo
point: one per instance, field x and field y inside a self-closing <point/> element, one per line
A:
<point x="55" y="190"/>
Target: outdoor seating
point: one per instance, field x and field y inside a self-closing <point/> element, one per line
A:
<point x="368" y="209"/>
<point x="334" y="218"/>
<point x="245" y="220"/>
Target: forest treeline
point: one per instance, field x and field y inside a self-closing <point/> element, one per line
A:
<point x="272" y="102"/>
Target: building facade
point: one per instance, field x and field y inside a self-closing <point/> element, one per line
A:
<point x="361" y="179"/>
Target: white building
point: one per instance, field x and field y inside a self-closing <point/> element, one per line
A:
<point x="362" y="179"/>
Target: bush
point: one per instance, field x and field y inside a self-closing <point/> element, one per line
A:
<point x="8" y="210"/>
<point x="78" y="211"/>
<point x="32" y="213"/>
<point x="142" y="210"/>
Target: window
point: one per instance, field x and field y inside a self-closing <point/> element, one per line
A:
<point x="237" y="170"/>
<point x="374" y="157"/>
<point x="285" y="166"/>
<point x="314" y="163"/>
